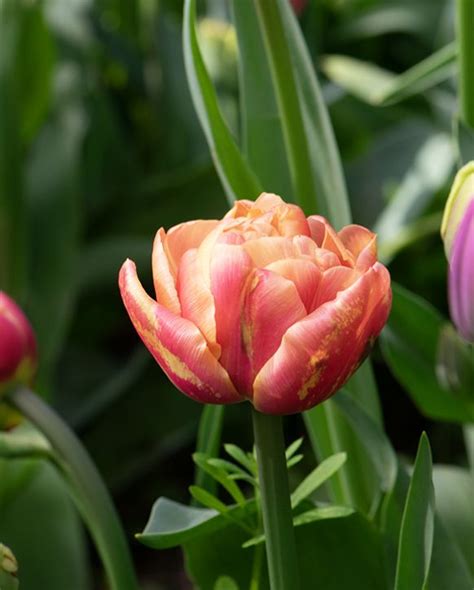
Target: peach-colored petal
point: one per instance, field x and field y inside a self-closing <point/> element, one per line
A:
<point x="291" y="221"/>
<point x="266" y="202"/>
<point x="176" y="344"/>
<point x="362" y="243"/>
<point x="326" y="237"/>
<point x="303" y="273"/>
<point x="318" y="354"/>
<point x="230" y="268"/>
<point x="266" y="250"/>
<point x="240" y="209"/>
<point x="197" y="303"/>
<point x="271" y="306"/>
<point x="164" y="281"/>
<point x="185" y="236"/>
<point x="333" y="280"/>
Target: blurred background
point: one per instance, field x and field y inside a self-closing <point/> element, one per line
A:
<point x="100" y="146"/>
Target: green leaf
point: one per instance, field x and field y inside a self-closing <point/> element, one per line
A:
<point x="171" y="524"/>
<point x="226" y="583"/>
<point x="317" y="477"/>
<point x="464" y="137"/>
<point x="322" y="546"/>
<point x="241" y="457"/>
<point x="207" y="499"/>
<point x="262" y="137"/>
<point x="380" y="87"/>
<point x="416" y="533"/>
<point x="42" y="528"/>
<point x="313" y="515"/>
<point x="455" y="505"/>
<point x="208" y="442"/>
<point x="24" y="442"/>
<point x="325" y="158"/>
<point x="410" y="347"/>
<point x="237" y="178"/>
<point x="429" y="172"/>
<point x="291" y="450"/>
<point x="219" y="475"/>
<point x="294" y="461"/>
<point x="372" y="438"/>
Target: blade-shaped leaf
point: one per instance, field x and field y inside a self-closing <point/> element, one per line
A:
<point x="262" y="138"/>
<point x="317" y="477"/>
<point x="380" y="87"/>
<point x="208" y="442"/>
<point x="416" y="533"/>
<point x="237" y="178"/>
<point x="219" y="475"/>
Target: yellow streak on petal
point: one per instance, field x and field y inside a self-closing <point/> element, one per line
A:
<point x="174" y="363"/>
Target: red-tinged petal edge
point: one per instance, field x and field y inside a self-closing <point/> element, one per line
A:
<point x="318" y="354"/>
<point x="176" y="344"/>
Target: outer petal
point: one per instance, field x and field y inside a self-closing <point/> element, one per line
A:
<point x="318" y="354"/>
<point x="197" y="303"/>
<point x="163" y="279"/>
<point x="305" y="275"/>
<point x="272" y="305"/>
<point x="333" y="280"/>
<point x="176" y="344"/>
<point x="230" y="268"/>
<point x="185" y="236"/>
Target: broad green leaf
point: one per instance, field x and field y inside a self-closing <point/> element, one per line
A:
<point x="24" y="442"/>
<point x="262" y="138"/>
<point x="380" y="87"/>
<point x="226" y="583"/>
<point x="372" y="438"/>
<point x="455" y="505"/>
<point x="410" y="347"/>
<point x="416" y="533"/>
<point x="322" y="546"/>
<point x="42" y="528"/>
<point x="219" y="475"/>
<point x="317" y="477"/>
<point x="237" y="178"/>
<point x="208" y="442"/>
<point x="172" y="524"/>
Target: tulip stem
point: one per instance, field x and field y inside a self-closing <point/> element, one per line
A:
<point x="86" y="486"/>
<point x="465" y="27"/>
<point x="275" y="502"/>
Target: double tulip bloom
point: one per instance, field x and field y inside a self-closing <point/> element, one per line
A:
<point x="263" y="305"/>
<point x="457" y="231"/>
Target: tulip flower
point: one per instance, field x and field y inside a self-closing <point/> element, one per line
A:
<point x="18" y="356"/>
<point x="264" y="305"/>
<point x="457" y="231"/>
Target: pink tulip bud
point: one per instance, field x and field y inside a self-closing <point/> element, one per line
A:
<point x="18" y="356"/>
<point x="263" y="305"/>
<point x="461" y="275"/>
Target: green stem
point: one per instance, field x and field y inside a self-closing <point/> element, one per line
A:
<point x="465" y="28"/>
<point x="284" y="81"/>
<point x="257" y="567"/>
<point x="275" y="502"/>
<point x="87" y="488"/>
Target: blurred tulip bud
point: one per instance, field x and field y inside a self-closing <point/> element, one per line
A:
<point x="461" y="195"/>
<point x="18" y="357"/>
<point x="265" y="305"/>
<point x="299" y="6"/>
<point x="461" y="275"/>
<point x="8" y="569"/>
<point x="218" y="42"/>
